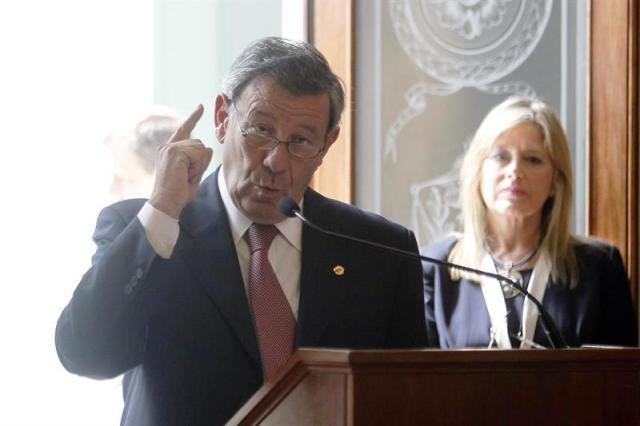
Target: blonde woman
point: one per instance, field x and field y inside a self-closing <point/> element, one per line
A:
<point x="516" y="189"/>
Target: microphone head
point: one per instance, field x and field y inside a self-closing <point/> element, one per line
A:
<point x="287" y="206"/>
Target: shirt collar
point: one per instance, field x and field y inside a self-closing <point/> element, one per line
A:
<point x="290" y="228"/>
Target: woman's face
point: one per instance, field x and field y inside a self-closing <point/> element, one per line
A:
<point x="517" y="175"/>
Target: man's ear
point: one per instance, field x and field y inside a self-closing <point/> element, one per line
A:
<point x="221" y="116"/>
<point x="331" y="138"/>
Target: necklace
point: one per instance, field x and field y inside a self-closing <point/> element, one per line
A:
<point x="510" y="270"/>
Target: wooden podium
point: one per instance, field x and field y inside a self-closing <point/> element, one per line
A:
<point x="595" y="386"/>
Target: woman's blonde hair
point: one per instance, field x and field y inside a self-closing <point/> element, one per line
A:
<point x="557" y="240"/>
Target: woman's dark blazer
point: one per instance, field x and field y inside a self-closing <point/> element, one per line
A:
<point x="598" y="311"/>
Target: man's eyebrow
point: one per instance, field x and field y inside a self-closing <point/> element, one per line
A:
<point x="266" y="115"/>
<point x="260" y="114"/>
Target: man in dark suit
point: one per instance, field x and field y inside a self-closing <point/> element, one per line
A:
<point x="169" y="298"/>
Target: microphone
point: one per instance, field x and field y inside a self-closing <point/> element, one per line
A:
<point x="290" y="208"/>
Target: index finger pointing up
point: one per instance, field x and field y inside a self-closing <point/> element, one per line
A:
<point x="184" y="131"/>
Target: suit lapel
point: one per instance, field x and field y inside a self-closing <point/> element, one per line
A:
<point x="207" y="246"/>
<point x="321" y="290"/>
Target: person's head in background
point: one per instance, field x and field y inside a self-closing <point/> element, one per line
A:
<point x="134" y="151"/>
<point x="517" y="171"/>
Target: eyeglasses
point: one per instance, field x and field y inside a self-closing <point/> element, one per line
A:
<point x="257" y="136"/>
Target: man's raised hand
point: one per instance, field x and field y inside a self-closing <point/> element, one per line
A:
<point x="181" y="164"/>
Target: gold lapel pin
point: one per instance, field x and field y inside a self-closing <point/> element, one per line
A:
<point x="338" y="270"/>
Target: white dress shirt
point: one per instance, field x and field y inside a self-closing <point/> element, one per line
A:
<point x="285" y="253"/>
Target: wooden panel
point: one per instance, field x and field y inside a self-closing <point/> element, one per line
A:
<point x="455" y="387"/>
<point x="613" y="122"/>
<point x="330" y="30"/>
<point x="318" y="399"/>
<point x="312" y="385"/>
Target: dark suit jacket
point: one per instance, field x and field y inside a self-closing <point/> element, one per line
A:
<point x="598" y="311"/>
<point x="182" y="327"/>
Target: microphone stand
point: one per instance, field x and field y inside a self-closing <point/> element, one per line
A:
<point x="555" y="338"/>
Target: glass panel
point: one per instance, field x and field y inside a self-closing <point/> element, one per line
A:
<point x="428" y="72"/>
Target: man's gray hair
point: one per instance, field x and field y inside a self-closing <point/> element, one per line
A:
<point x="297" y="66"/>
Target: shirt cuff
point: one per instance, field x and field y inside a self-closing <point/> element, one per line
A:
<point x="161" y="229"/>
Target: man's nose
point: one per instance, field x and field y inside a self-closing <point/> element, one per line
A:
<point x="277" y="160"/>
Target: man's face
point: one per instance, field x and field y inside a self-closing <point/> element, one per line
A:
<point x="256" y="178"/>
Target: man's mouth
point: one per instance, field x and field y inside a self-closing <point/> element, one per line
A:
<point x="268" y="190"/>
